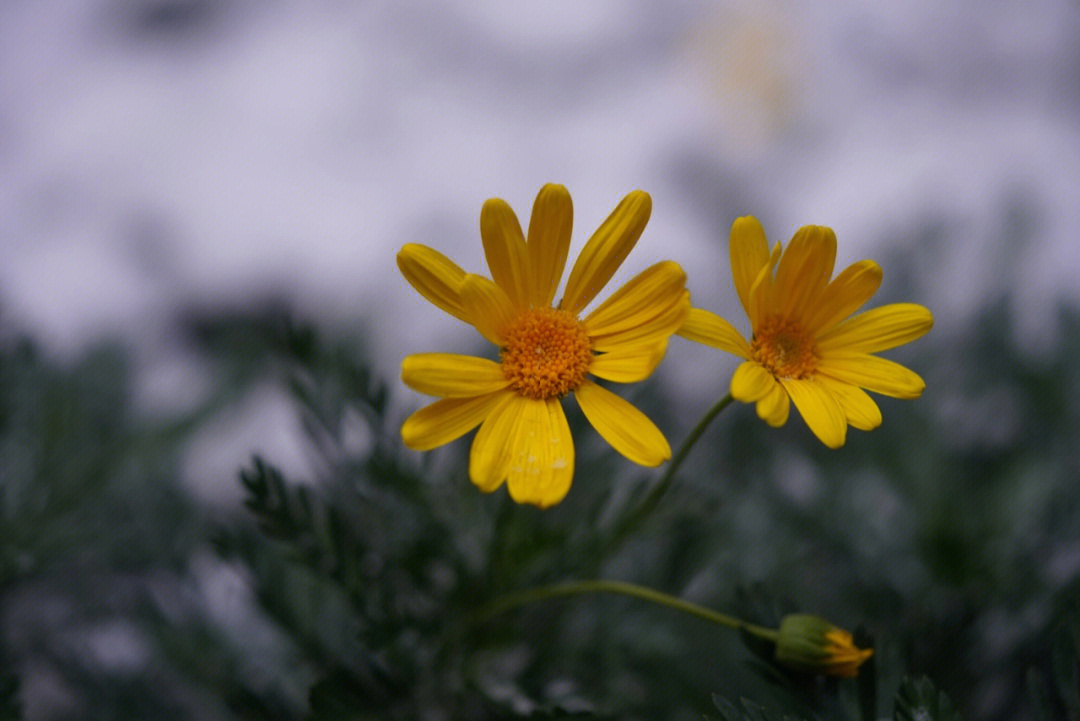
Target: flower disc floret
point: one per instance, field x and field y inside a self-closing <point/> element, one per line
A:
<point x="547" y="353"/>
<point x="784" y="349"/>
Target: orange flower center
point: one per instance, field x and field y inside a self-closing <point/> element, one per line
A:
<point x="784" y="348"/>
<point x="547" y="353"/>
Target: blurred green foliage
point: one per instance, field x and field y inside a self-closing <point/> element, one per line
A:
<point x="918" y="699"/>
<point x="357" y="588"/>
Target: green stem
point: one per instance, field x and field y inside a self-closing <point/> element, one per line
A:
<point x="577" y="588"/>
<point x="643" y="509"/>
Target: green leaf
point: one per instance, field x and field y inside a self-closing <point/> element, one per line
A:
<point x="559" y="712"/>
<point x="748" y="711"/>
<point x="919" y="700"/>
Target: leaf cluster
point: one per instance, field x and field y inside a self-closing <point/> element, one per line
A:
<point x="366" y="580"/>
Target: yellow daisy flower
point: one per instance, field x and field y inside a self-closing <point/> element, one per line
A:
<point x="545" y="351"/>
<point x="805" y="348"/>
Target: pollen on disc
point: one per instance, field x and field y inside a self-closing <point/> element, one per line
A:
<point x="784" y="348"/>
<point x="546" y="353"/>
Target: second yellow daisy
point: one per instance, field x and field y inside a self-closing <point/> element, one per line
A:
<point x="804" y="348"/>
<point x="545" y="351"/>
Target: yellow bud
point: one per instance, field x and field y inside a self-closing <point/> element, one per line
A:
<point x="811" y="644"/>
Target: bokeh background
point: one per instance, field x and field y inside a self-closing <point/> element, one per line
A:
<point x="178" y="176"/>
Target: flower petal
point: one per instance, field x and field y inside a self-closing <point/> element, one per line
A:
<point x="637" y="300"/>
<point x="804" y="270"/>
<point x="861" y="410"/>
<point x="496" y="443"/>
<point x="543" y="464"/>
<point x="762" y="302"/>
<point x="549" y="241"/>
<point x="845" y="294"/>
<point x="879" y="329"/>
<point x="504" y="248"/>
<point x="628" y="365"/>
<point x="488" y="307"/>
<point x="606" y="250"/>
<point x="628" y="430"/>
<point x="820" y="409"/>
<point x="751" y="382"/>
<point x="446" y="420"/>
<point x="435" y="276"/>
<point x="875" y="374"/>
<point x="654" y="325"/>
<point x="775" y="406"/>
<point x="749" y="251"/>
<point x="706" y="327"/>
<point x="452" y="376"/>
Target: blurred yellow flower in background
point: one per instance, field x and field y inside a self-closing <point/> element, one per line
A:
<point x="546" y="351"/>
<point x="804" y="347"/>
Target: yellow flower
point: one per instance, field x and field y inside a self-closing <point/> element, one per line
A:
<point x="812" y="644"/>
<point x="805" y="348"/>
<point x="545" y="350"/>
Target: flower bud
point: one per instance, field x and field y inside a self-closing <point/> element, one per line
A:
<point x="811" y="644"/>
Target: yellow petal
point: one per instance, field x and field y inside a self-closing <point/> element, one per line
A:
<point x="655" y="324"/>
<point x="844" y="295"/>
<point x="749" y="252"/>
<point x="775" y="406"/>
<point x="549" y="241"/>
<point x="877" y="375"/>
<point x="628" y="430"/>
<point x="435" y="276"/>
<point x="447" y="420"/>
<point x="504" y="248"/>
<point x="705" y="327"/>
<point x="751" y="382"/>
<point x="820" y="409"/>
<point x="489" y="309"/>
<point x="452" y="376"/>
<point x="496" y="443"/>
<point x="861" y="410"/>
<point x="762" y="302"/>
<point x="804" y="270"/>
<point x="606" y="250"/>
<point x="628" y="365"/>
<point x="879" y="329"/>
<point x="543" y="464"/>
<point x="655" y="287"/>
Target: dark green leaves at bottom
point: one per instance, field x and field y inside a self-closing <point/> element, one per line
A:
<point x="918" y="700"/>
<point x="748" y="711"/>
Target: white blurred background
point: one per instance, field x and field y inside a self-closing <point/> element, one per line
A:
<point x="163" y="154"/>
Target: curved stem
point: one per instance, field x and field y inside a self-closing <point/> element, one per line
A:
<point x="576" y="588"/>
<point x="650" y="501"/>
